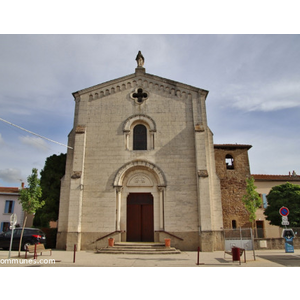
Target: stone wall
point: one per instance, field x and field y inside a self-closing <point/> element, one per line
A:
<point x="274" y="244"/>
<point x="233" y="183"/>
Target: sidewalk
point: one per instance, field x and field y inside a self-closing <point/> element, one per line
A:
<point x="264" y="258"/>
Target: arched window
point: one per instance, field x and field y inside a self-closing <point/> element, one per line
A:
<point x="233" y="224"/>
<point x="140" y="137"/>
<point x="139" y="132"/>
<point x="229" y="162"/>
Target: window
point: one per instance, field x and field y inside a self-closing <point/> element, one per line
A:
<point x="140" y="137"/>
<point x="9" y="206"/>
<point x="229" y="162"/>
<point x="265" y="201"/>
<point x="139" y="96"/>
<point x="233" y="224"/>
<point x="260" y="229"/>
<point x="139" y="132"/>
<point x="4" y="226"/>
<point x="17" y="232"/>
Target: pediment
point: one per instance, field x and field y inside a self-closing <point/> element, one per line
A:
<point x="140" y="79"/>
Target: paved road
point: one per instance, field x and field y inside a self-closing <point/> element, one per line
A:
<point x="287" y="259"/>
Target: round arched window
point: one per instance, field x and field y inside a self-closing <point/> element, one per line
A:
<point x="140" y="137"/>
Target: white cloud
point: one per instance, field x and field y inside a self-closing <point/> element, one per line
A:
<point x="35" y="142"/>
<point x="11" y="175"/>
<point x="1" y="140"/>
<point x="250" y="79"/>
<point x="264" y="97"/>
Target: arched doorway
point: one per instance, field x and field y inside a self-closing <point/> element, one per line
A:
<point x="140" y="193"/>
<point x="140" y="222"/>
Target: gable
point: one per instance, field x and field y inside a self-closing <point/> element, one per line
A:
<point x="152" y="83"/>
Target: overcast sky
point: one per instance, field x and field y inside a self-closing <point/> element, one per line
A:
<point x="253" y="83"/>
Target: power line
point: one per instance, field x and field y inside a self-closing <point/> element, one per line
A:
<point x="35" y="133"/>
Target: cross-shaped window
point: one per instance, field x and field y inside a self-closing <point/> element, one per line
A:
<point x="140" y="96"/>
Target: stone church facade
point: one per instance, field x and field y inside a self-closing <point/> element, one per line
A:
<point x="143" y="167"/>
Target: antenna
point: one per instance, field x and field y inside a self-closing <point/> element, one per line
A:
<point x="35" y="133"/>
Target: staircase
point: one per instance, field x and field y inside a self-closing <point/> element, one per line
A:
<point x="138" y="248"/>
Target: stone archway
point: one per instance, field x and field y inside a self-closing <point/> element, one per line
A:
<point x="140" y="164"/>
<point x="136" y="183"/>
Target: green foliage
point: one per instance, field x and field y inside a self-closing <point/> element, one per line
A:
<point x="51" y="175"/>
<point x="30" y="197"/>
<point x="251" y="199"/>
<point x="287" y="195"/>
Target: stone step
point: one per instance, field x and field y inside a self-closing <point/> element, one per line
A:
<point x="138" y="248"/>
<point x="108" y="251"/>
<point x="111" y="250"/>
<point x="142" y="249"/>
<point x="140" y="245"/>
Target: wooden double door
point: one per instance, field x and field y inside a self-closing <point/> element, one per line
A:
<point x="140" y="225"/>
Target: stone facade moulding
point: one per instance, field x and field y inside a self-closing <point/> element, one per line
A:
<point x="199" y="127"/>
<point x="121" y="173"/>
<point x="138" y="118"/>
<point x="147" y="81"/>
<point x="76" y="174"/>
<point x="80" y="129"/>
<point x="202" y="173"/>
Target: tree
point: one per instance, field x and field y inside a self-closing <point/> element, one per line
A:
<point x="30" y="198"/>
<point x="287" y="195"/>
<point x="51" y="175"/>
<point x="251" y="199"/>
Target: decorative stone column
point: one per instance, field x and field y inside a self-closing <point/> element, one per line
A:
<point x="152" y="139"/>
<point x="161" y="190"/>
<point x="119" y="198"/>
<point x="127" y="133"/>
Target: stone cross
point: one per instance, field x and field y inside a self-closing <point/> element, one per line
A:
<point x="140" y="95"/>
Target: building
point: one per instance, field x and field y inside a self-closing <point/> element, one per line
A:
<point x="9" y="204"/>
<point x="233" y="168"/>
<point x="142" y="167"/>
<point x="264" y="184"/>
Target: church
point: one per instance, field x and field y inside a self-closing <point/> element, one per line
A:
<point x="143" y="167"/>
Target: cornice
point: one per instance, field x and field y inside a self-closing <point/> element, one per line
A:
<point x="151" y="82"/>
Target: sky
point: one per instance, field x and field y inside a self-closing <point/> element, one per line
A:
<point x="246" y="56"/>
<point x="253" y="83"/>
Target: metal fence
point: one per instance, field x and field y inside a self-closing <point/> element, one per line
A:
<point x="248" y="239"/>
<point x="239" y="237"/>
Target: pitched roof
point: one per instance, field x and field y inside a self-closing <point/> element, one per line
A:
<point x="9" y="190"/>
<point x="130" y="81"/>
<point x="266" y="177"/>
<point x="232" y="146"/>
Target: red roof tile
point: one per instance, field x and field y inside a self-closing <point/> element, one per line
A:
<point x="262" y="177"/>
<point x="9" y="189"/>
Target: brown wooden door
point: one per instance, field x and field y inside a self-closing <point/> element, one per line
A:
<point x="140" y="225"/>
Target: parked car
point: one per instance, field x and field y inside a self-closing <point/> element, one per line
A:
<point x="31" y="236"/>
